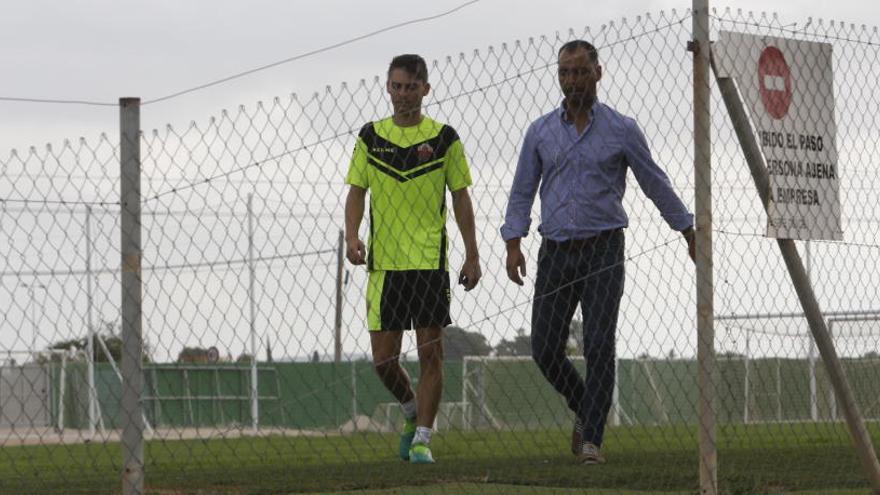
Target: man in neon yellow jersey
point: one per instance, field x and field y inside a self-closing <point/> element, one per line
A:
<point x="407" y="162"/>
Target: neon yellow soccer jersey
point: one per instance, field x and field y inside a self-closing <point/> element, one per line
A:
<point x="407" y="171"/>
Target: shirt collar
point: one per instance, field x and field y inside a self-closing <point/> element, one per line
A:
<point x="562" y="107"/>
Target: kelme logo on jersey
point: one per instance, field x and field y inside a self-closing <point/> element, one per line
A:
<point x="382" y="150"/>
<point x="425" y="152"/>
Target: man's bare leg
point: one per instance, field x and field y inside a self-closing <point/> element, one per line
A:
<point x="430" y="388"/>
<point x="386" y="361"/>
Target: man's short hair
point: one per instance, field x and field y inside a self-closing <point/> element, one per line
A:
<point x="413" y="64"/>
<point x="573" y="45"/>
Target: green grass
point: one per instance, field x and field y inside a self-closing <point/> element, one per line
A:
<point x="754" y="459"/>
<point x="493" y="489"/>
<point x="498" y="489"/>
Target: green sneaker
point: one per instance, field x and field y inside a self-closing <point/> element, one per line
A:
<point x="420" y="453"/>
<point x="406" y="438"/>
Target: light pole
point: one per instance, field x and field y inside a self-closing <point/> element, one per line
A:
<point x="31" y="289"/>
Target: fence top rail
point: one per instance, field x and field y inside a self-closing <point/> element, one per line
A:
<point x="759" y="316"/>
<point x="13" y="352"/>
<point x="206" y="367"/>
<point x="208" y="397"/>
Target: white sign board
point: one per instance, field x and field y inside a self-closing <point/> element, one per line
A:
<point x="788" y="89"/>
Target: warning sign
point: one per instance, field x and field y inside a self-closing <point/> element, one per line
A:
<point x="787" y="86"/>
<point x="774" y="79"/>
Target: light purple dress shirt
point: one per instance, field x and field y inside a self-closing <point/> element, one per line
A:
<point x="582" y="177"/>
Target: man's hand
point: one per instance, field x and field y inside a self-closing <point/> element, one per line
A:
<point x="355" y="251"/>
<point x="690" y="237"/>
<point x="516" y="262"/>
<point x="470" y="273"/>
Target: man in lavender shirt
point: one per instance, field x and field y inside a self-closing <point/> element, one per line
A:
<point x="577" y="156"/>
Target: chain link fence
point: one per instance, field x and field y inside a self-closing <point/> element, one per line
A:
<point x="243" y="282"/>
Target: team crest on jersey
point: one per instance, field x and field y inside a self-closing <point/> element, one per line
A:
<point x="425" y="152"/>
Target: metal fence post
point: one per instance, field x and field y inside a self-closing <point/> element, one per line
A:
<point x="132" y="346"/>
<point x="254" y="395"/>
<point x="62" y="382"/>
<point x="814" y="403"/>
<point x="703" y="210"/>
<point x="90" y="325"/>
<point x="337" y="323"/>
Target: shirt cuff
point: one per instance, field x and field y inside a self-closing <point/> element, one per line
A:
<point x="681" y="222"/>
<point x="508" y="233"/>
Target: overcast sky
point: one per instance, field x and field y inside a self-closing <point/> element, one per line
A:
<point x="100" y="50"/>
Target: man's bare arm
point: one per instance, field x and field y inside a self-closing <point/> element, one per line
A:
<point x="464" y="216"/>
<point x="355" y="250"/>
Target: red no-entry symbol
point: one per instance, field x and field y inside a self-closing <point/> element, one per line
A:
<point x="774" y="79"/>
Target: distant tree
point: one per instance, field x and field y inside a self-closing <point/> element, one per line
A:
<point x="871" y="355"/>
<point x="244" y="358"/>
<point x="109" y="333"/>
<point x="520" y="345"/>
<point x="458" y="343"/>
<point x="114" y="346"/>
<point x="193" y="355"/>
<point x="75" y="344"/>
<point x="315" y="357"/>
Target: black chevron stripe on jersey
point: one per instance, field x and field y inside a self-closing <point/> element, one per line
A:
<point x="381" y="167"/>
<point x="404" y="158"/>
<point x="386" y="170"/>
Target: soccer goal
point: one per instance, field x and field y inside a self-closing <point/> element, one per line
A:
<point x="770" y="365"/>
